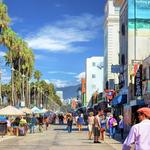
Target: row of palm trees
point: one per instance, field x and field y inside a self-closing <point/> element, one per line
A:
<point x="20" y="58"/>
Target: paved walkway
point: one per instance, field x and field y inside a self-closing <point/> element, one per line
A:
<point x="56" y="138"/>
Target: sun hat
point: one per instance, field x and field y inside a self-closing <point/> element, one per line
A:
<point x="145" y="111"/>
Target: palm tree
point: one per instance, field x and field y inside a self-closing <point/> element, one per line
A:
<point x="18" y="56"/>
<point x="37" y="76"/>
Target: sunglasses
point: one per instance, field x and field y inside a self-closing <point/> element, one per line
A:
<point x="139" y="114"/>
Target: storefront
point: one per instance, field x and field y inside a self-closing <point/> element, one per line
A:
<point x="135" y="105"/>
<point x="117" y="104"/>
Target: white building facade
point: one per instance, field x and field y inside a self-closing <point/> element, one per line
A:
<point x="60" y="94"/>
<point x="111" y="42"/>
<point x="94" y="76"/>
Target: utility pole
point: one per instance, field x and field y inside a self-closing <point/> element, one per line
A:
<point x="23" y="98"/>
<point x="12" y="85"/>
<point x="0" y="86"/>
<point x="29" y="94"/>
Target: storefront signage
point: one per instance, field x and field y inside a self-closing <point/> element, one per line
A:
<point x="116" y="68"/>
<point x="138" y="82"/>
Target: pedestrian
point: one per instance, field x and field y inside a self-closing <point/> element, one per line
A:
<point x="90" y="124"/>
<point x="103" y="122"/>
<point x="80" y="122"/>
<point x="112" y="123"/>
<point x="96" y="128"/>
<point x="139" y="133"/>
<point x="32" y="124"/>
<point x="121" y="126"/>
<point x="40" y="122"/>
<point x="46" y="121"/>
<point x="9" y="128"/>
<point x="69" y="123"/>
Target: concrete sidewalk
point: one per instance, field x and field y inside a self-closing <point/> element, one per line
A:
<point x="6" y="137"/>
<point x="115" y="143"/>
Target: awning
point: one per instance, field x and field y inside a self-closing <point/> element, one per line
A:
<point x="120" y="99"/>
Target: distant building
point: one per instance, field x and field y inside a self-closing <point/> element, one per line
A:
<point x="94" y="76"/>
<point x="83" y="91"/>
<point x="60" y="94"/>
<point x="111" y="43"/>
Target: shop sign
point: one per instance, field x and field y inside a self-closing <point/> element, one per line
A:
<point x="138" y="82"/>
<point x="116" y="68"/>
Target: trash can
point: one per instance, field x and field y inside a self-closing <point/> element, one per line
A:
<point x="3" y="128"/>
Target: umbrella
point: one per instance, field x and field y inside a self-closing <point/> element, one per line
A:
<point x="26" y="110"/>
<point x="11" y="111"/>
<point x="3" y="119"/>
<point x="44" y="110"/>
<point x="36" y="110"/>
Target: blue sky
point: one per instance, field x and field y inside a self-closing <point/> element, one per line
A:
<point x="62" y="34"/>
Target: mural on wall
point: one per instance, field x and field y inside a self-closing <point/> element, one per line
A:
<point x="127" y="116"/>
<point x="139" y="9"/>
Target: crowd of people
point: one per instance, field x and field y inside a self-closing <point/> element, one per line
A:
<point x="98" y="124"/>
<point x="20" y="125"/>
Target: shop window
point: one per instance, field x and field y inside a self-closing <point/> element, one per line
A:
<point x="93" y="64"/>
<point x="123" y="29"/>
<point x="93" y="75"/>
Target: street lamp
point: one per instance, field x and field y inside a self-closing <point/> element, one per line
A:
<point x="34" y="94"/>
<point x="0" y="87"/>
<point x="12" y="85"/>
<point x="41" y="104"/>
<point x="23" y="98"/>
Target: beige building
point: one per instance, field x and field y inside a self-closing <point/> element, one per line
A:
<point x="111" y="42"/>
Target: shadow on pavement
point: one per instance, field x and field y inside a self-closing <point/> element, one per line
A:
<point x="74" y="129"/>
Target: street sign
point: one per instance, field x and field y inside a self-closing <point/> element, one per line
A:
<point x="116" y="69"/>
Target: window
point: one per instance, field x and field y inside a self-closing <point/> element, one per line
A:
<point x="123" y="29"/>
<point x="93" y="64"/>
<point x="93" y="76"/>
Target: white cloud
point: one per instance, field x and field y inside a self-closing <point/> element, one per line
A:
<point x="58" y="83"/>
<point x="39" y="57"/>
<point x="6" y="79"/>
<point x="62" y="72"/>
<point x="65" y="83"/>
<point x="63" y="35"/>
<point x="80" y="76"/>
<point x="2" y="54"/>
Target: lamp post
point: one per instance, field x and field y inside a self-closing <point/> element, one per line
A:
<point x="23" y="98"/>
<point x="29" y="94"/>
<point x="12" y="85"/>
<point x="0" y="88"/>
<point x="34" y="95"/>
<point x="41" y="104"/>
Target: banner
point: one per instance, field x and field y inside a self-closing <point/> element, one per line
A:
<point x="138" y="82"/>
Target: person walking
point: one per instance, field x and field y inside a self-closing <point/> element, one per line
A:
<point x="139" y="133"/>
<point x="96" y="128"/>
<point x="46" y="122"/>
<point x="80" y="122"/>
<point x="90" y="124"/>
<point x="121" y="126"/>
<point x="112" y="123"/>
<point x="69" y="123"/>
<point x="103" y="122"/>
<point x="32" y="124"/>
<point x="40" y="122"/>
